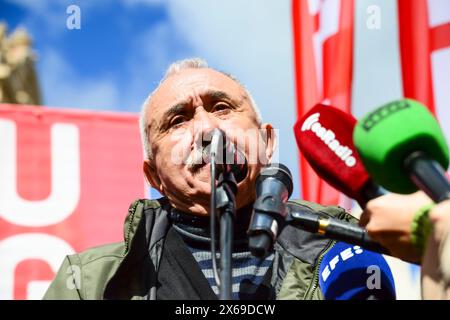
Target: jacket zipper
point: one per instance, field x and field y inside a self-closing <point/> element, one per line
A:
<point x="132" y="211"/>
<point x="312" y="289"/>
<point x="315" y="285"/>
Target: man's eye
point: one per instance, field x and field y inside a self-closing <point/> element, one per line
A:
<point x="221" y="107"/>
<point x="177" y="120"/>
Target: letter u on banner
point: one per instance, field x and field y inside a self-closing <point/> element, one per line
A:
<point x="65" y="178"/>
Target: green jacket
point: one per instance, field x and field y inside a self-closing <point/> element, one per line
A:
<point x="128" y="270"/>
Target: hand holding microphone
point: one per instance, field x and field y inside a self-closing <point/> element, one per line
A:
<point x="404" y="149"/>
<point x="389" y="218"/>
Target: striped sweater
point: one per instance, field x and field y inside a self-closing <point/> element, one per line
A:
<point x="248" y="272"/>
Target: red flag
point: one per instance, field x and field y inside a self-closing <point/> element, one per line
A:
<point x="323" y="54"/>
<point x="424" y="30"/>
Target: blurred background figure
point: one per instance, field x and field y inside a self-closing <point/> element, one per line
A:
<point x="18" y="80"/>
<point x="436" y="260"/>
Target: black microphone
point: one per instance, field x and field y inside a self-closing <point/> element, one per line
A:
<point x="228" y="157"/>
<point x="273" y="189"/>
<point x="335" y="229"/>
<point x="228" y="167"/>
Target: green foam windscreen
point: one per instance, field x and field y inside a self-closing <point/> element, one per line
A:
<point x="385" y="137"/>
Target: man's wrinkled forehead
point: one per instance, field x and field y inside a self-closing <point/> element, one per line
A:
<point x="189" y="84"/>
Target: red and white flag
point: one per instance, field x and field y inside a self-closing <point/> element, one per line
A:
<point x="424" y="32"/>
<point x="323" y="55"/>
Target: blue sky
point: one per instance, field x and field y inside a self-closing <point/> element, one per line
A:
<point x="123" y="48"/>
<point x="111" y="63"/>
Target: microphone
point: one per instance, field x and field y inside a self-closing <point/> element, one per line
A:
<point x="273" y="189"/>
<point x="403" y="147"/>
<point x="231" y="165"/>
<point x="350" y="272"/>
<point x="228" y="157"/>
<point x="335" y="229"/>
<point x="325" y="137"/>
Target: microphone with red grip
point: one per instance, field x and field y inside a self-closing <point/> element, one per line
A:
<point x="325" y="137"/>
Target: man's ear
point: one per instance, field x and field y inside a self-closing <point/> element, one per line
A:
<point x="152" y="176"/>
<point x="270" y="140"/>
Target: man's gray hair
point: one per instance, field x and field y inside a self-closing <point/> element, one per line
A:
<point x="174" y="68"/>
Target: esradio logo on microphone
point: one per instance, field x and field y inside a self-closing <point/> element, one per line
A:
<point x="328" y="137"/>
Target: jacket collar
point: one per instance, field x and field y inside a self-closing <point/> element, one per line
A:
<point x="145" y="226"/>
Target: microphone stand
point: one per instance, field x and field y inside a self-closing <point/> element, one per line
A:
<point x="226" y="205"/>
<point x="223" y="201"/>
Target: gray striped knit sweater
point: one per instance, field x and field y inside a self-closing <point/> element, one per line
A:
<point x="248" y="271"/>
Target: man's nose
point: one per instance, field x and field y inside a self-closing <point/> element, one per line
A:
<point x="204" y="124"/>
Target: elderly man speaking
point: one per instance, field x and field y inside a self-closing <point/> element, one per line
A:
<point x="166" y="250"/>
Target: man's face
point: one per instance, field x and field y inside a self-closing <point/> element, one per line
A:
<point x="182" y="113"/>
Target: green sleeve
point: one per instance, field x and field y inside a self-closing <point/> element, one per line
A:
<point x="67" y="283"/>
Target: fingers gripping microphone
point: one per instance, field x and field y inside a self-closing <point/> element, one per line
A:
<point x="273" y="189"/>
<point x="403" y="147"/>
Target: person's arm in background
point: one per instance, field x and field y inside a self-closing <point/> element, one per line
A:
<point x="388" y="220"/>
<point x="436" y="260"/>
<point x="416" y="231"/>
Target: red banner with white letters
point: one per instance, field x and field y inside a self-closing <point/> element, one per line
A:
<point x="66" y="180"/>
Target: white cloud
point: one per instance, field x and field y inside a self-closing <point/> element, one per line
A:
<point x="63" y="87"/>
<point x="253" y="40"/>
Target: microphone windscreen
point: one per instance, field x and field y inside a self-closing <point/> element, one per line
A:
<point x="350" y="272"/>
<point x="386" y="136"/>
<point x="325" y="138"/>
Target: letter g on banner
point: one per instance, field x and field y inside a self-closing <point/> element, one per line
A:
<point x="65" y="178"/>
<point x="16" y="249"/>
